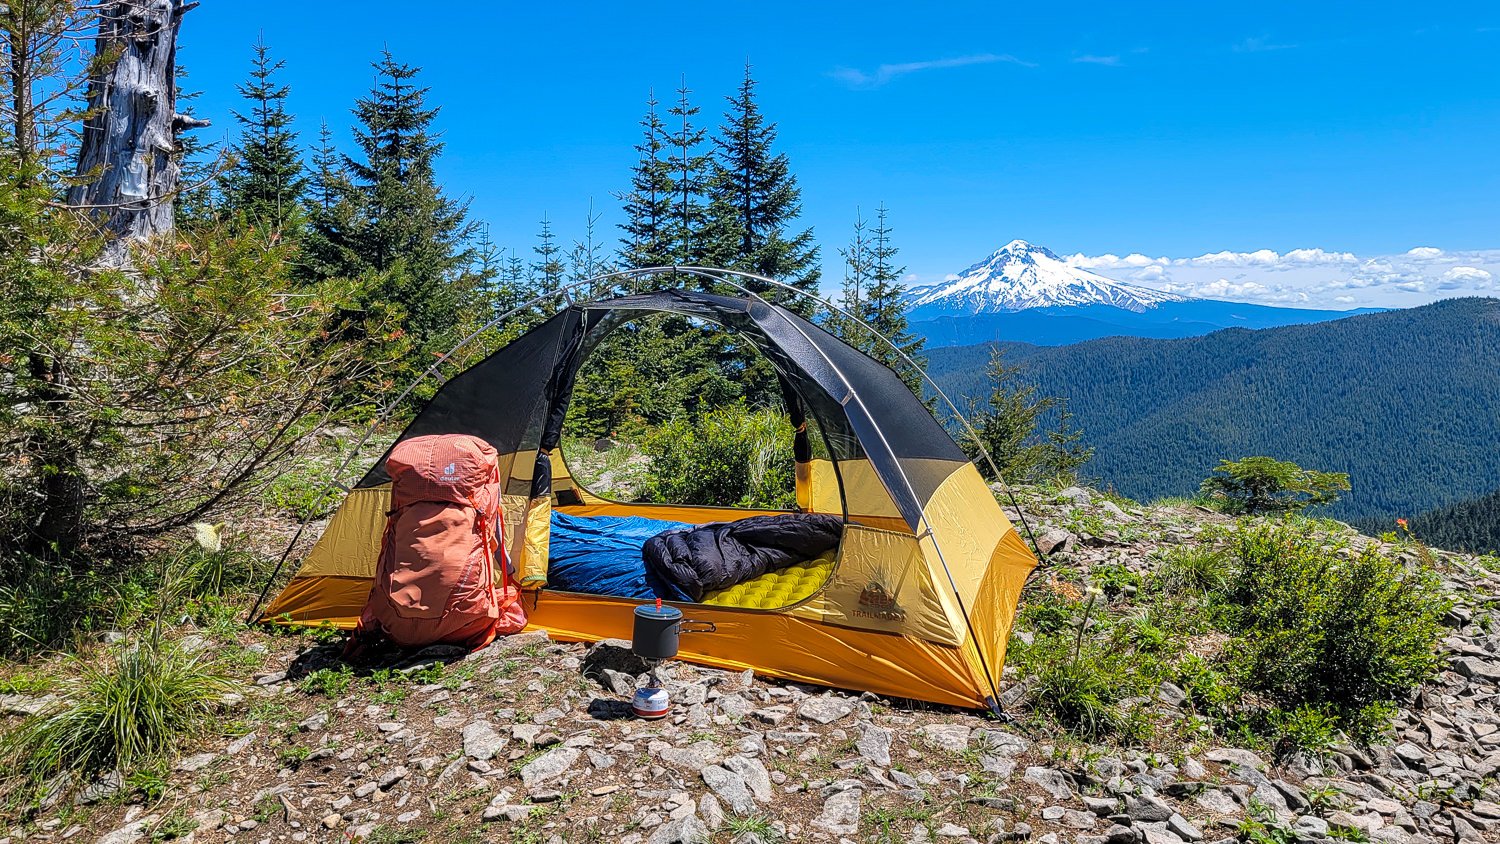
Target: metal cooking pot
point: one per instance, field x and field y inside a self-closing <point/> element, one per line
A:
<point x="657" y="628"/>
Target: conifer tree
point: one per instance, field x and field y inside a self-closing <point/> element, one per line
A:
<point x="548" y="267"/>
<point x="884" y="308"/>
<point x="267" y="182"/>
<point x="390" y="217"/>
<point x="690" y="166"/>
<point x="754" y="204"/>
<point x="648" y="205"/>
<point x="857" y="261"/>
<point x="329" y="181"/>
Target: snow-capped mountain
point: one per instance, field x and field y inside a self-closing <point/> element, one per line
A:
<point x="1020" y="276"/>
<point x="1025" y="293"/>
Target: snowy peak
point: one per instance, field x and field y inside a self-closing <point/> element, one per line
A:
<point x="1019" y="276"/>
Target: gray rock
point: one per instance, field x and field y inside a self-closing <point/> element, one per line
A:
<point x="694" y="757"/>
<point x="196" y="762"/>
<point x="1118" y="834"/>
<point x="711" y="811"/>
<point x="1078" y="495"/>
<point x="1235" y="756"/>
<point x="132" y="832"/>
<point x="1102" y="806"/>
<point x="1055" y="540"/>
<point x="1146" y="809"/>
<point x="684" y="830"/>
<point x="314" y="723"/>
<point x="874" y="744"/>
<point x="755" y="775"/>
<point x="1079" y="820"/>
<point x="824" y="710"/>
<point x="734" y="705"/>
<point x="1311" y="826"/>
<point x="481" y="741"/>
<point x="953" y="738"/>
<point x="730" y="787"/>
<point x="840" y="814"/>
<point x="1183" y="828"/>
<point x="1411" y="755"/>
<point x="618" y="682"/>
<point x="951" y="830"/>
<point x="1171" y="694"/>
<point x="25" y="704"/>
<point x="393" y="776"/>
<point x="1478" y="669"/>
<point x="549" y="766"/>
<point x="1000" y="766"/>
<point x="1052" y="781"/>
<point x="1001" y="742"/>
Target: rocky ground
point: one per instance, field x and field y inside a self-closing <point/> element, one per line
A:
<point x="531" y="740"/>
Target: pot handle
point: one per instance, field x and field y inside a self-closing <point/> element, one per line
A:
<point x="708" y="626"/>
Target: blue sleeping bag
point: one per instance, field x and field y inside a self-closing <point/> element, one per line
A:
<point x="601" y="555"/>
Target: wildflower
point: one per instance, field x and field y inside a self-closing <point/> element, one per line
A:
<point x="209" y="537"/>
<point x="1401" y="523"/>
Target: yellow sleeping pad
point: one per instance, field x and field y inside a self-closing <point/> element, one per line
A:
<point x="776" y="589"/>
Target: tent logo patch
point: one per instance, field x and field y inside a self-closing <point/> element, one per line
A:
<point x="875" y="601"/>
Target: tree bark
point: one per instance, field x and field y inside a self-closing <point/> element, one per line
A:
<point x="129" y="152"/>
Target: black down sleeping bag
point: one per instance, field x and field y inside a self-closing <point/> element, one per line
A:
<point x="719" y="555"/>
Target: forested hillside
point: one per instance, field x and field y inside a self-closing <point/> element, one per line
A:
<point x="1472" y="525"/>
<point x="1407" y="402"/>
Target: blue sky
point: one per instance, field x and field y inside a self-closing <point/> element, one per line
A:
<point x="1172" y="130"/>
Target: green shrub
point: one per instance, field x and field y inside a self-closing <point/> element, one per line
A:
<point x="127" y="711"/>
<point x="1327" y="629"/>
<point x="1116" y="580"/>
<point x="328" y="682"/>
<point x="729" y="457"/>
<point x="305" y="491"/>
<point x="1080" y="693"/>
<point x="1047" y="613"/>
<point x="1193" y="571"/>
<point x="1266" y="485"/>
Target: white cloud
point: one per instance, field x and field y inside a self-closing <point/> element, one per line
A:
<point x="1110" y="61"/>
<point x="1466" y="277"/>
<point x="856" y="78"/>
<point x="1260" y="45"/>
<point x="1309" y="277"/>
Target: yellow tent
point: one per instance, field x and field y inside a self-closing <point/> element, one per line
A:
<point x="917" y="601"/>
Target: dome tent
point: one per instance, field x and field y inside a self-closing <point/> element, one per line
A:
<point x="919" y="599"/>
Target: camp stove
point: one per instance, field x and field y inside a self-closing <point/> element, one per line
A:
<point x="655" y="639"/>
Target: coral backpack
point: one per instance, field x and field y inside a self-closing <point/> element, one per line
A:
<point x="435" y="582"/>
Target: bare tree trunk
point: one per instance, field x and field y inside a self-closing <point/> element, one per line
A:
<point x="129" y="151"/>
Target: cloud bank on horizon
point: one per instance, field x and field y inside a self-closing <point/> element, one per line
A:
<point x="1311" y="278"/>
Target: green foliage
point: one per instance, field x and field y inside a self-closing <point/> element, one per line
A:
<point x="115" y="399"/>
<point x="1472" y="525"/>
<point x="1008" y="430"/>
<point x="328" y="682"/>
<point x="266" y="183"/>
<point x="732" y="456"/>
<point x="1329" y="631"/>
<point x="872" y="303"/>
<point x="1256" y="485"/>
<point x="304" y="490"/>
<point x="1193" y="570"/>
<point x="1407" y="402"/>
<point x="125" y="711"/>
<point x="382" y="217"/>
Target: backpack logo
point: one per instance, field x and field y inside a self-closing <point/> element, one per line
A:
<point x="450" y="474"/>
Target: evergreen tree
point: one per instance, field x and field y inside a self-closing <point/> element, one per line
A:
<point x="390" y="218"/>
<point x="329" y="182"/>
<point x="857" y="259"/>
<point x="548" y="267"/>
<point x="586" y="258"/>
<point x="648" y="205"/>
<point x="884" y="310"/>
<point x="754" y="204"/>
<point x="267" y="181"/>
<point x="197" y="200"/>
<point x="690" y="166"/>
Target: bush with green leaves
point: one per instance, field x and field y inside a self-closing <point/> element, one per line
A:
<point x="124" y="712"/>
<point x="1326" y="633"/>
<point x="729" y="457"/>
<point x="1257" y="485"/>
